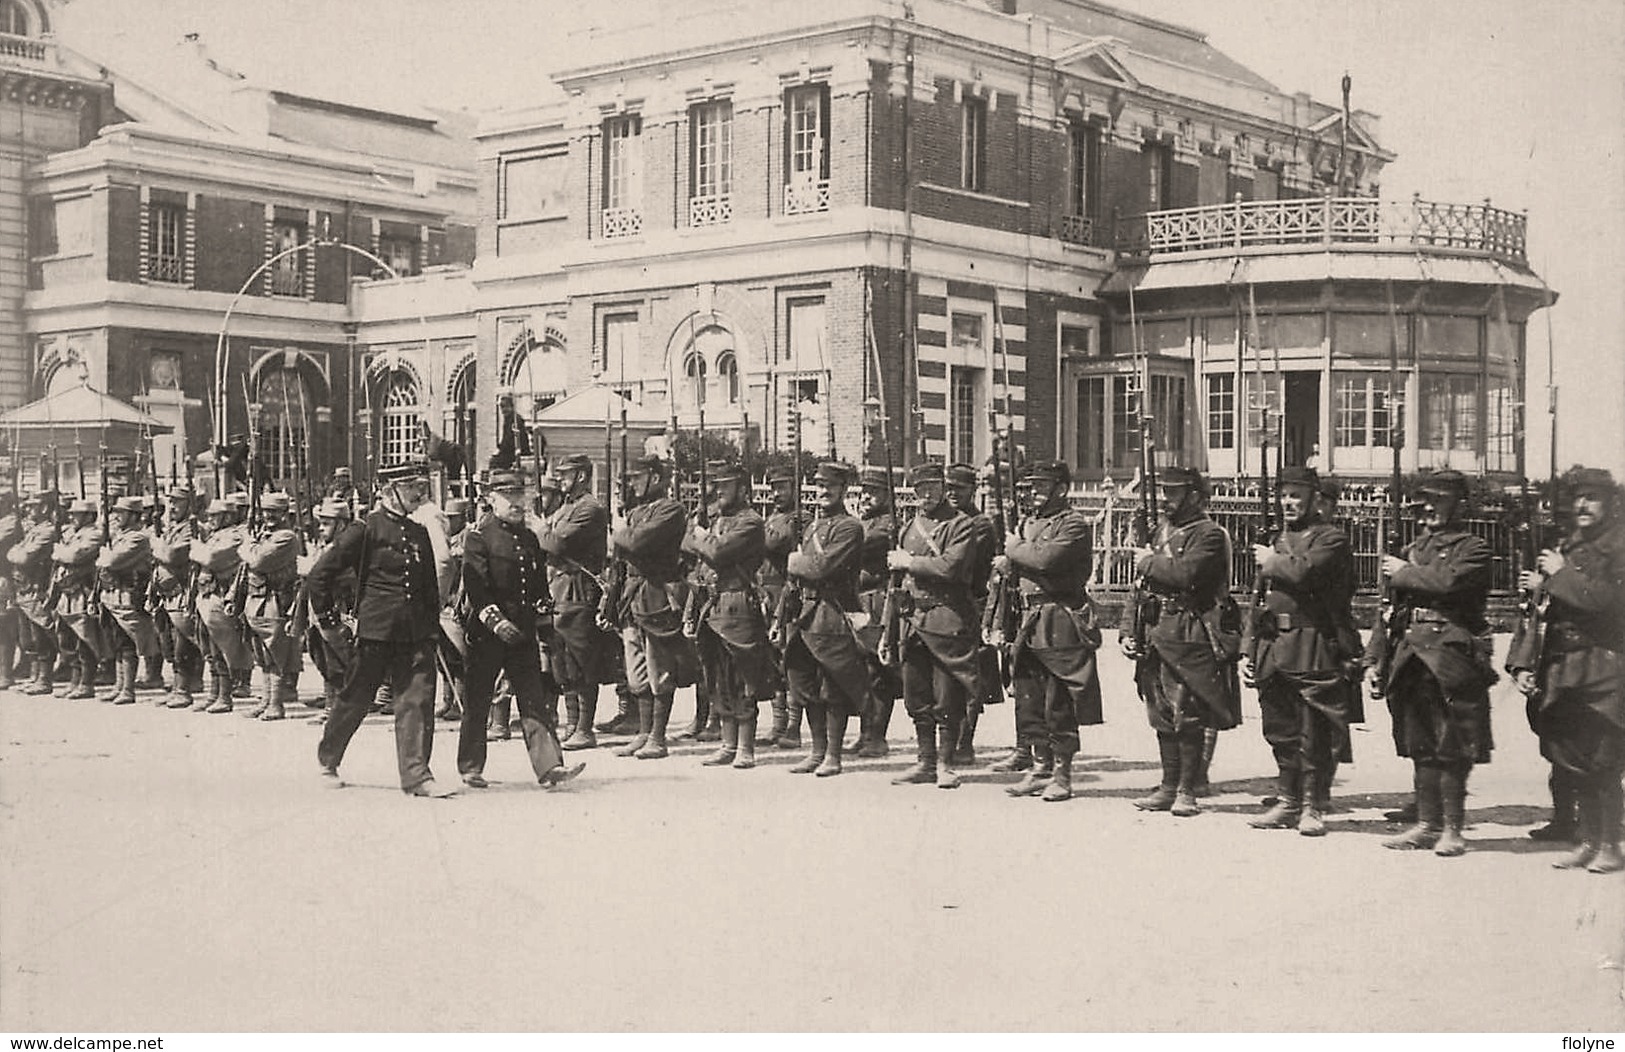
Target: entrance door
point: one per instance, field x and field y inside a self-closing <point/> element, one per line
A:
<point x="1302" y="418"/>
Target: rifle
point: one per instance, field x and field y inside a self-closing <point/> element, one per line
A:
<point x="253" y="462"/>
<point x="698" y="597"/>
<point x="1394" y="616"/>
<point x="788" y="608"/>
<point x="95" y="605"/>
<point x="1143" y="607"/>
<point x="1271" y="519"/>
<point x="1001" y="620"/>
<point x="609" y="598"/>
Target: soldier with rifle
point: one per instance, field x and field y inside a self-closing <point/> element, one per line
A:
<point x="31" y="565"/>
<point x="823" y="661"/>
<point x="74" y="585"/>
<point x="962" y="481"/>
<point x="125" y="571"/>
<point x="11" y="531"/>
<point x="1293" y="652"/>
<point x="218" y="558"/>
<point x="331" y="642"/>
<point x="738" y="666"/>
<point x="877" y="511"/>
<point x="270" y="561"/>
<point x="574" y="538"/>
<point x="172" y="591"/>
<point x="1572" y="668"/>
<point x="939" y="626"/>
<point x="1052" y="649"/>
<point x="1432" y="663"/>
<point x="781" y="535"/>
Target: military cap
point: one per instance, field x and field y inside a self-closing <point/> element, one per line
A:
<point x="275" y="502"/>
<point x="781" y="473"/>
<point x="960" y="475"/>
<point x="405" y="470"/>
<point x="42" y="497"/>
<point x="836" y="472"/>
<point x="237" y="499"/>
<point x="649" y="462"/>
<point x="549" y="482"/>
<point x="930" y="471"/>
<point x="218" y="507"/>
<point x="333" y="508"/>
<point x="1598" y="482"/>
<point x="1449" y="483"/>
<point x="181" y="492"/>
<point x="1049" y="471"/>
<point x="576" y="462"/>
<point x="1176" y="475"/>
<point x="457" y="506"/>
<point x="1300" y="476"/>
<point x="724" y="470"/>
<point x="872" y="478"/>
<point x="81" y="507"/>
<point x="149" y="500"/>
<point x="1331" y="489"/>
<point x="507" y="483"/>
<point x="341" y="473"/>
<point x="132" y="504"/>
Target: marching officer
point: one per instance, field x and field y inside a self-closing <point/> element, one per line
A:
<point x="332" y="644"/>
<point x="1575" y="675"/>
<point x="650" y="621"/>
<point x="963" y="481"/>
<point x="31" y="567"/>
<point x="78" y="627"/>
<point x="125" y="566"/>
<point x="574" y="538"/>
<point x="171" y="590"/>
<point x="940" y="626"/>
<point x="271" y="562"/>
<point x="1435" y="670"/>
<point x="1052" y="661"/>
<point x="1186" y="675"/>
<point x="1295" y="654"/>
<point x="397" y="622"/>
<point x="505" y="588"/>
<point x="879" y="521"/>
<point x="218" y="557"/>
<point x="781" y="533"/>
<point x="11" y="531"/>
<point x="738" y="665"/>
<point x="826" y="668"/>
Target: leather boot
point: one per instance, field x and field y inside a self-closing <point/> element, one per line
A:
<point x="1453" y="806"/>
<point x="646" y="722"/>
<point x="223" y="697"/>
<point x="118" y="682"/>
<point x="242" y="683"/>
<point x="152" y="673"/>
<point x="1190" y="767"/>
<point x="724" y="756"/>
<point x="1610" y="809"/>
<point x="180" y="696"/>
<point x="1288" y="802"/>
<point x="1429" y="816"/>
<point x="206" y="698"/>
<point x="1565" y="797"/>
<point x="1210" y="741"/>
<point x="834" y="731"/>
<point x="167" y="691"/>
<point x="1586" y="829"/>
<point x="1060" y="786"/>
<point x="267" y="678"/>
<point x="965" y="747"/>
<point x="496" y="725"/>
<point x="587" y="708"/>
<point x="702" y="712"/>
<point x="84" y="685"/>
<point x="280" y="693"/>
<point x="655" y="747"/>
<point x="924" y="771"/>
<point x="746" y="757"/>
<point x="817" y="730"/>
<point x="781" y="720"/>
<point x="67" y="689"/>
<point x="572" y="713"/>
<point x="129" y="667"/>
<point x="1038" y="775"/>
<point x="791" y="738"/>
<point x="1162" y="797"/>
<point x="8" y="661"/>
<point x="712" y="731"/>
<point x="873" y="745"/>
<point x="41" y="683"/>
<point x="1020" y="759"/>
<point x="626" y="718"/>
<point x="1312" y="822"/>
<point x="947" y="741"/>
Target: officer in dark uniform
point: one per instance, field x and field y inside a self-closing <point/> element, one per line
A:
<point x="781" y="533"/>
<point x="1574" y="676"/>
<point x="505" y="594"/>
<point x="397" y="624"/>
<point x="738" y="665"/>
<point x="1435" y="671"/>
<point x="1053" y="654"/>
<point x="827" y="670"/>
<point x="1186" y="675"/>
<point x="31" y="565"/>
<point x="1294" y="654"/>
<point x="879" y="520"/>
<point x="574" y="539"/>
<point x="650" y="617"/>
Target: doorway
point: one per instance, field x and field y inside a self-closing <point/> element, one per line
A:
<point x="1302" y="421"/>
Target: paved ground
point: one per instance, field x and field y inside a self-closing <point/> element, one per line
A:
<point x="165" y="871"/>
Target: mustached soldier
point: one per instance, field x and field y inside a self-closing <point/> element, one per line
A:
<point x="962" y="481"/>
<point x="573" y="536"/>
<point x="172" y="589"/>
<point x="879" y="521"/>
<point x="31" y="566"/>
<point x="79" y="629"/>
<point x="124" y="565"/>
<point x="218" y="557"/>
<point x="271" y="563"/>
<point x="781" y="533"/>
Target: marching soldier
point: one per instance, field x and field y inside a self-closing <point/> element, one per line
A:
<point x="125" y="566"/>
<point x="1295" y="654"/>
<point x="1053" y="670"/>
<point x="1435" y="670"/>
<point x="271" y="563"/>
<point x="505" y="588"/>
<point x="397" y="621"/>
<point x="879" y="521"/>
<point x="332" y="643"/>
<point x="171" y="589"/>
<point x="962" y="482"/>
<point x="826" y="668"/>
<point x="31" y="568"/>
<point x="218" y="557"/>
<point x="940" y="632"/>
<point x="573" y="536"/>
<point x="453" y="642"/>
<point x="11" y="531"/>
<point x="1186" y="674"/>
<point x="781" y="533"/>
<point x="1575" y="675"/>
<point x="738" y="665"/>
<point x="650" y="616"/>
<point x="78" y="627"/>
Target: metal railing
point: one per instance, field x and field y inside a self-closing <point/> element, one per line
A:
<point x="622" y="222"/>
<point x="803" y="196"/>
<point x="170" y="270"/>
<point x="1080" y="230"/>
<point x="710" y="211"/>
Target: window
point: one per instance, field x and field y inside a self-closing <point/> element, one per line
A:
<point x="711" y="162"/>
<point x="967" y="334"/>
<point x="402" y="440"/>
<point x="806" y="326"/>
<point x="807" y="414"/>
<point x="1221" y="411"/>
<point x="284" y="423"/>
<point x="1263" y="394"/>
<point x="1159" y="176"/>
<point x="401" y="249"/>
<point x="726" y="383"/>
<point x="1361" y="410"/>
<point x="1450" y="412"/>
<point x="1500" y="449"/>
<point x="1125" y="435"/>
<point x="75" y="226"/>
<point x="1447" y="337"/>
<point x="964" y="399"/>
<point x="623" y="162"/>
<point x="692" y="395"/>
<point x="1368" y="336"/>
<point x="620" y="346"/>
<point x="1168" y="409"/>
<point x="806" y="147"/>
<point x="14" y="19"/>
<point x="1083" y="175"/>
<point x="533" y="187"/>
<point x="288" y="272"/>
<point x="972" y="143"/>
<point x="1077" y="341"/>
<point x="166" y="242"/>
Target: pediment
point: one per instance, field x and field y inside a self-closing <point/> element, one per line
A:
<point x="1093" y="60"/>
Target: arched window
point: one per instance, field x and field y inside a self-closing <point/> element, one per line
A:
<point x="694" y="371"/>
<point x="286" y="410"/>
<point x="535" y="376"/>
<point x="460" y="408"/>
<point x="16" y="19"/>
<point x="725" y="386"/>
<point x="402" y="438"/>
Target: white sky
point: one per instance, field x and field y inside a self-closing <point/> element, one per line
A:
<point x="1519" y="101"/>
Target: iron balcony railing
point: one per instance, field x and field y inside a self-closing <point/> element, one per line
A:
<point x="1328" y="221"/>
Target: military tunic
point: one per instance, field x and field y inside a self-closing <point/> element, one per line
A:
<point x="11" y="532"/>
<point x="74" y="584"/>
<point x="885" y="683"/>
<point x="823" y="662"/>
<point x="219" y="558"/>
<point x="271" y="562"/>
<point x="31" y="566"/>
<point x="126" y="570"/>
<point x="574" y="538"/>
<point x="1187" y="677"/>
<point x="650" y="613"/>
<point x="739" y="665"/>
<point x="942" y="630"/>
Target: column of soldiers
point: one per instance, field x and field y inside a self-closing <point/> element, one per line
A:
<point x="828" y="616"/>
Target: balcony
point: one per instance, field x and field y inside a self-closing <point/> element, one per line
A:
<point x="1340" y="222"/>
<point x="167" y="269"/>
<point x="713" y="210"/>
<point x="25" y="49"/>
<point x="1080" y="230"/>
<point x="804" y="196"/>
<point x="622" y="222"/>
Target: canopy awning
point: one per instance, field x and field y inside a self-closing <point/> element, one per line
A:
<point x="81" y="411"/>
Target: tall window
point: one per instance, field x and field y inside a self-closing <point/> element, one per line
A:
<point x="964" y="399"/>
<point x="620" y="347"/>
<point x="1450" y="412"/>
<point x="286" y="405"/>
<point x="14" y="19"/>
<point x="694" y="375"/>
<point x="973" y="143"/>
<point x="806" y="149"/>
<point x="623" y="162"/>
<point x="1361" y="410"/>
<point x="288" y="273"/>
<point x="711" y="148"/>
<point x="1221" y="411"/>
<point x="401" y="249"/>
<point x="1168" y="406"/>
<point x="725" y="386"/>
<point x="1159" y="174"/>
<point x="533" y="186"/>
<point x="1084" y="170"/>
<point x="1263" y="395"/>
<point x="166" y="242"/>
<point x="402" y="439"/>
<point x="806" y="324"/>
<point x="1500" y="432"/>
